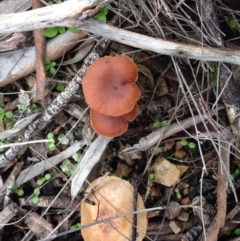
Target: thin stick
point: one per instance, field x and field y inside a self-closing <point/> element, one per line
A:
<point x="40" y="50"/>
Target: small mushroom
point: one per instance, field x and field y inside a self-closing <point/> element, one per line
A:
<point x="109" y="85"/>
<point x="113" y="196"/>
<point x="110" y="126"/>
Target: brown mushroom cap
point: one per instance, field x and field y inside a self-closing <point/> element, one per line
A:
<point x="109" y="85"/>
<point x="113" y="196"/>
<point x="109" y="126"/>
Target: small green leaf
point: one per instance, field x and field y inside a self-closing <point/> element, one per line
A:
<point x="164" y="123"/>
<point x="156" y="124"/>
<point x="77" y="225"/>
<point x="62" y="30"/>
<point x="36" y="191"/>
<point x="52" y="71"/>
<point x="35" y="199"/>
<point x="184" y="142"/>
<point x="73" y="29"/>
<point x="60" y="87"/>
<point x="47" y="67"/>
<point x="51" y="32"/>
<point x="192" y="145"/>
<point x="20" y="192"/>
<point x="233" y="24"/>
<point x="64" y="140"/>
<point x="48" y="176"/>
<point x="9" y="114"/>
<point x="237" y="171"/>
<point x="47" y="61"/>
<point x="39" y="182"/>
<point x="152" y="177"/>
<point x="100" y="17"/>
<point x="51" y="146"/>
<point x="76" y="156"/>
<point x="237" y="231"/>
<point x="50" y="135"/>
<point x="34" y="107"/>
<point x="53" y="64"/>
<point x="102" y="14"/>
<point x="2" y="113"/>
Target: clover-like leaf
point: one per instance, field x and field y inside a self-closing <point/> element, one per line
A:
<point x="51" y="32"/>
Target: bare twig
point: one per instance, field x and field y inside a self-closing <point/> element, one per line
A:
<point x="222" y="187"/>
<point x="153" y="138"/>
<point x="159" y="45"/>
<point x="40" y="50"/>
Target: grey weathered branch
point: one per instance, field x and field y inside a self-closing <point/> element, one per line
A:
<point x="64" y="14"/>
<point x="159" y="45"/>
<point x="75" y="12"/>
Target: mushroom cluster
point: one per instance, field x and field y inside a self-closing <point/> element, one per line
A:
<point x="113" y="196"/>
<point x="111" y="92"/>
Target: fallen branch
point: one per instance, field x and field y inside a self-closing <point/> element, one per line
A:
<point x="222" y="187"/>
<point x="75" y="12"/>
<point x="165" y="132"/>
<point x="64" y="14"/>
<point x="159" y="45"/>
